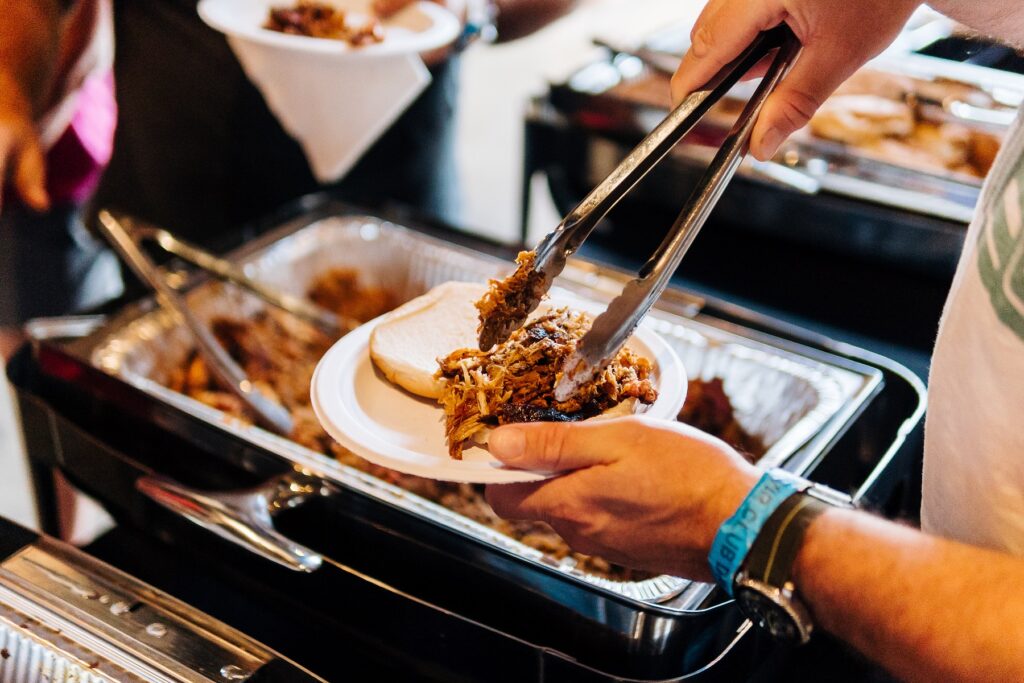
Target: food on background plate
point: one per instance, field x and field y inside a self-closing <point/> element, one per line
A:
<point x="321" y="20"/>
<point x="894" y="86"/>
<point x="931" y="147"/>
<point x="880" y="115"/>
<point x="284" y="352"/>
<point x="426" y="347"/>
<point x="860" y="119"/>
<point x="889" y="131"/>
<point x="868" y="81"/>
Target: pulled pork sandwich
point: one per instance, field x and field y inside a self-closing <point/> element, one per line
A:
<point x="515" y="381"/>
<point x="294" y="348"/>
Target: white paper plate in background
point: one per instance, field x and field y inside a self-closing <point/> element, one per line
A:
<point x="334" y="99"/>
<point x="421" y="27"/>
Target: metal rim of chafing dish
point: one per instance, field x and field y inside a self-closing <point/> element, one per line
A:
<point x="808" y="439"/>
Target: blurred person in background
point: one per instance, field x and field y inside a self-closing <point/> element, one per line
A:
<point x="196" y="150"/>
<point x="945" y="603"/>
<point x="57" y="117"/>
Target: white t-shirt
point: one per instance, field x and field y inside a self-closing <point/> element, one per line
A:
<point x="974" y="434"/>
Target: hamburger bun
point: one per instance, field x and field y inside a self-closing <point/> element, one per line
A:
<point x="407" y="343"/>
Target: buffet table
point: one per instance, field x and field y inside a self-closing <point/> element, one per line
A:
<point x="317" y="553"/>
<point x="810" y="302"/>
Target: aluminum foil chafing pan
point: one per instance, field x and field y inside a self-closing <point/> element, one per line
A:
<point x="795" y="402"/>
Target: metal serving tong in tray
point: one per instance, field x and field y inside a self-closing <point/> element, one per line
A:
<point x="127" y="238"/>
<point x="611" y="329"/>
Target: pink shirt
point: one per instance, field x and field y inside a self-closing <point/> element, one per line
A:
<point x="76" y="161"/>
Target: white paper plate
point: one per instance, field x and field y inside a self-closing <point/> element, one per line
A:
<point x="335" y="100"/>
<point x="390" y="427"/>
<point x="419" y="28"/>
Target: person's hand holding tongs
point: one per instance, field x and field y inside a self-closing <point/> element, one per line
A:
<point x="513" y="300"/>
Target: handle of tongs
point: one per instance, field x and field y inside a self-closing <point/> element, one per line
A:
<point x="613" y="328"/>
<point x="225" y="270"/>
<point x="224" y="368"/>
<point x="581" y="221"/>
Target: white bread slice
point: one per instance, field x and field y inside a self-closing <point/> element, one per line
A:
<point x="407" y="344"/>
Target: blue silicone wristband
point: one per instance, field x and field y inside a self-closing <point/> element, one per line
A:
<point x="737" y="534"/>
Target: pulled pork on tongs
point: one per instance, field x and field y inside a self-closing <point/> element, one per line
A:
<point x="510" y="301"/>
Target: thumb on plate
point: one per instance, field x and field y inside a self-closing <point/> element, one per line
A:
<point x="552" y="446"/>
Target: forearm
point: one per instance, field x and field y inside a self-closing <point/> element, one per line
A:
<point x="1002" y="19"/>
<point x="519" y="18"/>
<point x="29" y="40"/>
<point x="925" y="608"/>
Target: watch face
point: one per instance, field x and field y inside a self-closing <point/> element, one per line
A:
<point x="772" y="613"/>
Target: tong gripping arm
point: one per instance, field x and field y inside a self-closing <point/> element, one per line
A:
<point x="555" y="249"/>
<point x="613" y="328"/>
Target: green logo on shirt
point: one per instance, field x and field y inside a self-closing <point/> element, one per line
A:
<point x="1001" y="253"/>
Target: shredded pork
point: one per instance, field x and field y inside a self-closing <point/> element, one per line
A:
<point x="709" y="409"/>
<point x="507" y="303"/>
<point x="515" y="381"/>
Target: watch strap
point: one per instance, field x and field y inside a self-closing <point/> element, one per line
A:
<point x="773" y="554"/>
<point x="737" y="534"/>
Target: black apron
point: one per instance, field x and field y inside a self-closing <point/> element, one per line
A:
<point x="198" y="151"/>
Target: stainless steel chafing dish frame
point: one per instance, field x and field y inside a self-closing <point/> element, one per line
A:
<point x="247" y="518"/>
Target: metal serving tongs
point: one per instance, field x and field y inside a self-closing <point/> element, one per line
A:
<point x="613" y="327"/>
<point x="770" y="171"/>
<point x="127" y="238"/>
<point x="222" y="269"/>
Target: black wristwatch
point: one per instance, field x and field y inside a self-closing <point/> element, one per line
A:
<point x="763" y="587"/>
